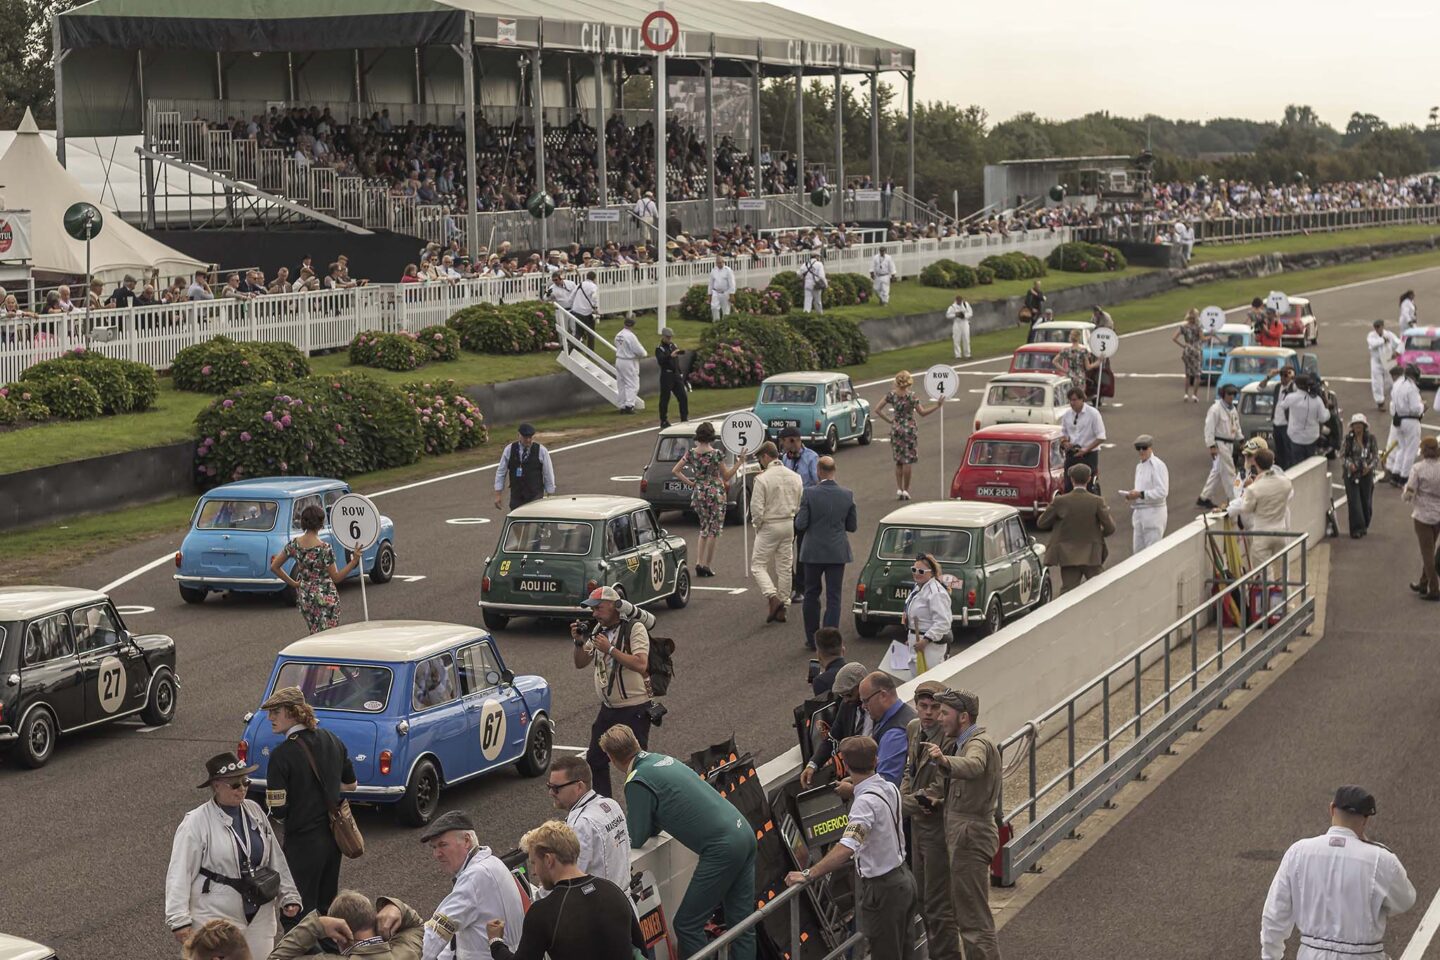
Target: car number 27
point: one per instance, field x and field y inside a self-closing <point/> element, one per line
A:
<point x="112" y="684"/>
<point x="492" y="729"/>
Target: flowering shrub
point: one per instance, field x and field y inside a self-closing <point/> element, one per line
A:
<point x="444" y="342"/>
<point x="695" y="305"/>
<point x="838" y="342"/>
<point x="105" y="375"/>
<point x="362" y="348"/>
<point x="23" y="399"/>
<point x="400" y="351"/>
<point x="525" y="327"/>
<point x="449" y="421"/>
<point x="321" y="426"/>
<point x="792" y="283"/>
<point x="948" y="273"/>
<point x="70" y="397"/>
<point x="741" y="351"/>
<point x="773" y="301"/>
<point x="285" y="359"/>
<point x="848" y="290"/>
<point x="1079" y="257"/>
<point x="1015" y="266"/>
<point x="984" y="276"/>
<point x="218" y="365"/>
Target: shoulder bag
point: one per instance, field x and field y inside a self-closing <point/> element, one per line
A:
<point x="342" y="821"/>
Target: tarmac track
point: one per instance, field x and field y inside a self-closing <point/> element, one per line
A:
<point x="87" y="838"/>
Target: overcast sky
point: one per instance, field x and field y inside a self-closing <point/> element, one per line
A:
<point x="1238" y="58"/>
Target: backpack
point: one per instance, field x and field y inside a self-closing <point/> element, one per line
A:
<point x="662" y="666"/>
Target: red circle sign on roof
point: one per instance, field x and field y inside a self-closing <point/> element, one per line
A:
<point x="660" y="31"/>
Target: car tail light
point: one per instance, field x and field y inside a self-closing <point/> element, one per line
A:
<point x="385" y="762"/>
<point x="970" y="598"/>
<point x="242" y="749"/>
<point x="977" y="424"/>
<point x="817" y="426"/>
<point x="178" y="558"/>
<point x="644" y="484"/>
<point x="485" y="584"/>
<point x="590" y="586"/>
<point x="859" y="591"/>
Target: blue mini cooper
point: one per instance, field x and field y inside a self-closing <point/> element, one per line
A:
<point x="238" y="527"/>
<point x="824" y="407"/>
<point x="419" y="705"/>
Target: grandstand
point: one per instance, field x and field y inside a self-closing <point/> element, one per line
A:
<point x="336" y="112"/>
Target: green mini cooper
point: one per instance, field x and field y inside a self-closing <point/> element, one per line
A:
<point x="994" y="569"/>
<point x="554" y="551"/>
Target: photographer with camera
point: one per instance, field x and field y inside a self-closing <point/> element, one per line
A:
<point x="1305" y="413"/>
<point x="616" y="643"/>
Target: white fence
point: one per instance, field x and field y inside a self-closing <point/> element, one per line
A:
<point x="330" y="319"/>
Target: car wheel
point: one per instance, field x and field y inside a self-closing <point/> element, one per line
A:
<point x="37" y="738"/>
<point x="537" y="751"/>
<point x="192" y="594"/>
<point x="868" y="628"/>
<point x="384" y="567"/>
<point x="994" y="618"/>
<point x="493" y="620"/>
<point x="832" y="440"/>
<point x="160" y="708"/>
<point x="422" y="796"/>
<point x="1045" y="588"/>
<point x="681" y="596"/>
<point x="869" y="433"/>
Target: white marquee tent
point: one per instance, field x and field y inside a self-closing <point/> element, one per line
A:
<point x="31" y="178"/>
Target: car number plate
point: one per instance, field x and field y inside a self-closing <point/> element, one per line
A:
<point x="901" y="592"/>
<point x="537" y="585"/>
<point x="1009" y="492"/>
<point x="1425" y="360"/>
<point x="782" y="424"/>
<point x="676" y="486"/>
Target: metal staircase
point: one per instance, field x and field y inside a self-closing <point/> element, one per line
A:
<point x="579" y="358"/>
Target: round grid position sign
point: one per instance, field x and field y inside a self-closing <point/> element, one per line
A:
<point x="355" y="521"/>
<point x="660" y="31"/>
<point x="1278" y="302"/>
<point x="1212" y="319"/>
<point x="941" y="382"/>
<point x="742" y="433"/>
<point x="1104" y="342"/>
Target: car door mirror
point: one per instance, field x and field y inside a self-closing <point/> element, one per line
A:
<point x="492" y="678"/>
<point x="1032" y="541"/>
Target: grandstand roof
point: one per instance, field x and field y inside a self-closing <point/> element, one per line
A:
<point x="730" y="29"/>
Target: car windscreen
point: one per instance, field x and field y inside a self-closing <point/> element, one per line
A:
<point x="570" y="537"/>
<point x="1260" y="402"/>
<point x="338" y="686"/>
<point x="671" y="449"/>
<point x="1035" y="360"/>
<point x="237" y="515"/>
<point x="907" y="543"/>
<point x="788" y="393"/>
<point x="1004" y="453"/>
<point x="1251" y="366"/>
<point x="1420" y="343"/>
<point x="1052" y="336"/>
<point x="1016" y="395"/>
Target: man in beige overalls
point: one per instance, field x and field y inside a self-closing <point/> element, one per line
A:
<point x="922" y="796"/>
<point x="971" y="766"/>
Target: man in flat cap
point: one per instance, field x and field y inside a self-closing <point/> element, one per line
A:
<point x="972" y="771"/>
<point x="1338" y="888"/>
<point x="847" y="720"/>
<point x="1148" y="513"/>
<point x="922" y="799"/>
<point x="1081" y="521"/>
<point x="484" y="890"/>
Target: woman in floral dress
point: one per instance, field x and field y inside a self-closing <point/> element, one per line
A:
<point x="1189" y="337"/>
<point x="1075" y="362"/>
<point x="709" y="478"/>
<point x="313" y="577"/>
<point x="904" y="431"/>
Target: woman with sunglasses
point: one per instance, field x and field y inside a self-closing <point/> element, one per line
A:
<point x="927" y="620"/>
<point x="224" y="857"/>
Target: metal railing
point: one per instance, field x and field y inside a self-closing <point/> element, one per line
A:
<point x="719" y="948"/>
<point x="1220" y="230"/>
<point x="1236" y="631"/>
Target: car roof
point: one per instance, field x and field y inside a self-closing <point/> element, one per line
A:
<point x="687" y="429"/>
<point x="15" y="948"/>
<point x="1235" y="328"/>
<point x="390" y="641"/>
<point x="1422" y="331"/>
<point x="1046" y="347"/>
<point x="1300" y="300"/>
<point x="1065" y="324"/>
<point x="273" y="487"/>
<point x="1046" y="378"/>
<point x="1262" y="352"/>
<point x="806" y="376"/>
<point x="22" y="603"/>
<point x="1015" y="431"/>
<point x="580" y="507"/>
<point x="949" y="513"/>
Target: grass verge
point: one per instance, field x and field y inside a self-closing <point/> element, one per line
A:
<point x="1311" y="242"/>
<point x="38" y="553"/>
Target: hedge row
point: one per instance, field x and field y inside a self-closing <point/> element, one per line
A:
<point x="221" y="364"/>
<point x="79" y="385"/>
<point x="1014" y="266"/>
<point x="741" y="351"/>
<point x="330" y="427"/>
<point x="525" y="327"/>
<point x="1080" y="257"/>
<point x="785" y="292"/>
<point x="948" y="273"/>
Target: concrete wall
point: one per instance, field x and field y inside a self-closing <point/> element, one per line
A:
<point x="1041" y="659"/>
<point x="102" y="483"/>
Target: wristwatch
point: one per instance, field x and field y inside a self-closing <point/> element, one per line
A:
<point x="805" y="873"/>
